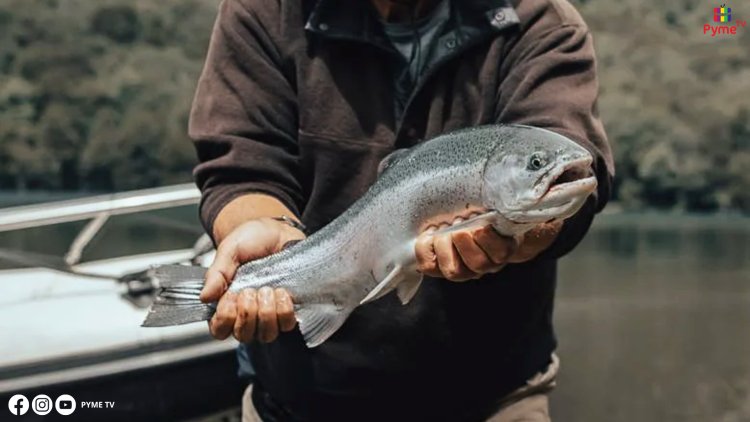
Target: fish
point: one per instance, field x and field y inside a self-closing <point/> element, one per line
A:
<point x="512" y="177"/>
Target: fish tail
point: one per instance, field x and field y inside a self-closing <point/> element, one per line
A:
<point x="178" y="301"/>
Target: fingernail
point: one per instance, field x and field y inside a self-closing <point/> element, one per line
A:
<point x="266" y="295"/>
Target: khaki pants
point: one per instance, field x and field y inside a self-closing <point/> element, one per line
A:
<point x="529" y="403"/>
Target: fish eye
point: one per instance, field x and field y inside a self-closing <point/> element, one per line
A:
<point x="537" y="161"/>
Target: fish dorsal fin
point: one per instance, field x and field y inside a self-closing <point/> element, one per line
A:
<point x="409" y="287"/>
<point x="389" y="283"/>
<point x="391" y="159"/>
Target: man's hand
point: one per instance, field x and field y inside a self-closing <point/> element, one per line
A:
<point x="250" y="314"/>
<point x="469" y="254"/>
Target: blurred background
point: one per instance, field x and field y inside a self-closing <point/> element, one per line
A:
<point x="654" y="305"/>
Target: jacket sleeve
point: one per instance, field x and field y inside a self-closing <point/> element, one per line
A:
<point x="551" y="83"/>
<point x="244" y="117"/>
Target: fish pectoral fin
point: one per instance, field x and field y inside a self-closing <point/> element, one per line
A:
<point x="389" y="283"/>
<point x="318" y="321"/>
<point x="408" y="287"/>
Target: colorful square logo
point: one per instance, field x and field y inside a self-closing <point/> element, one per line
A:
<point x="722" y="14"/>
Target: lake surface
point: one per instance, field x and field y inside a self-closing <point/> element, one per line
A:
<point x="653" y="319"/>
<point x="653" y="310"/>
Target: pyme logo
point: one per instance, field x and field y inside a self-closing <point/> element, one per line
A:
<point x="722" y="14"/>
<point x="723" y="17"/>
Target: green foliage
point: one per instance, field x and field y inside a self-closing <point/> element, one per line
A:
<point x="96" y="95"/>
<point x="674" y="102"/>
<point x="118" y="23"/>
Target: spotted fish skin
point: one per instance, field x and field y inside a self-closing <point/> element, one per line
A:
<point x="368" y="251"/>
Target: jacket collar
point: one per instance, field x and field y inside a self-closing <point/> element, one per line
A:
<point x="356" y="20"/>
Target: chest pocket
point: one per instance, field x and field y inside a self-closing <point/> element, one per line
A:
<point x="345" y="92"/>
<point x="335" y="173"/>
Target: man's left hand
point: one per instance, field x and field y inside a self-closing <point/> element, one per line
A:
<point x="469" y="254"/>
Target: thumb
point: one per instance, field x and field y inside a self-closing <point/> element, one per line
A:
<point x="221" y="272"/>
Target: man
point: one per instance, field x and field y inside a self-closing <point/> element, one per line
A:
<point x="297" y="104"/>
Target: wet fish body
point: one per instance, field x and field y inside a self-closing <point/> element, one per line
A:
<point x="513" y="177"/>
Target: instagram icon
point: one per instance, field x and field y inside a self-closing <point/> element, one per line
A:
<point x="42" y="404"/>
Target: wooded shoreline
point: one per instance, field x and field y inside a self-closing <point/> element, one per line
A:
<point x="95" y="95"/>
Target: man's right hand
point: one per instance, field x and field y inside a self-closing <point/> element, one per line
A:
<point x="249" y="314"/>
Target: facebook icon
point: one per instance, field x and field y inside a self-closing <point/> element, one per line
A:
<point x="18" y="405"/>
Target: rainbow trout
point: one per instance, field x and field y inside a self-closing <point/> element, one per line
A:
<point x="512" y="177"/>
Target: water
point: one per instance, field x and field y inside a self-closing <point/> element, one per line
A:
<point x="653" y="318"/>
<point x="653" y="311"/>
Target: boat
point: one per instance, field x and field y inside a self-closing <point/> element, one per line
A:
<point x="73" y="327"/>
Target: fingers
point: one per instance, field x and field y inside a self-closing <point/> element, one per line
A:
<point x="473" y="256"/>
<point x="284" y="310"/>
<point x="254" y="314"/>
<point x="449" y="260"/>
<point x="223" y="320"/>
<point x="427" y="263"/>
<point x="268" y="326"/>
<point x="247" y="316"/>
<point x="220" y="273"/>
<point x="498" y="248"/>
<point x="535" y="241"/>
<point x="463" y="254"/>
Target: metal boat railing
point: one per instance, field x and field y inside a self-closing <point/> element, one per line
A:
<point x="99" y="359"/>
<point x="98" y="209"/>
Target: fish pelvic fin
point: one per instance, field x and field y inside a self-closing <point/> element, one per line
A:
<point x="318" y="321"/>
<point x="409" y="287"/>
<point x="389" y="283"/>
<point x="178" y="301"/>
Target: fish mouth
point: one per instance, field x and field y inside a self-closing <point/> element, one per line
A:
<point x="567" y="187"/>
<point x="572" y="180"/>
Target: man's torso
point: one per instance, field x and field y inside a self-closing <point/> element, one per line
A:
<point x="455" y="346"/>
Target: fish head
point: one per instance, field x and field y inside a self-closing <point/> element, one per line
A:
<point x="540" y="176"/>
